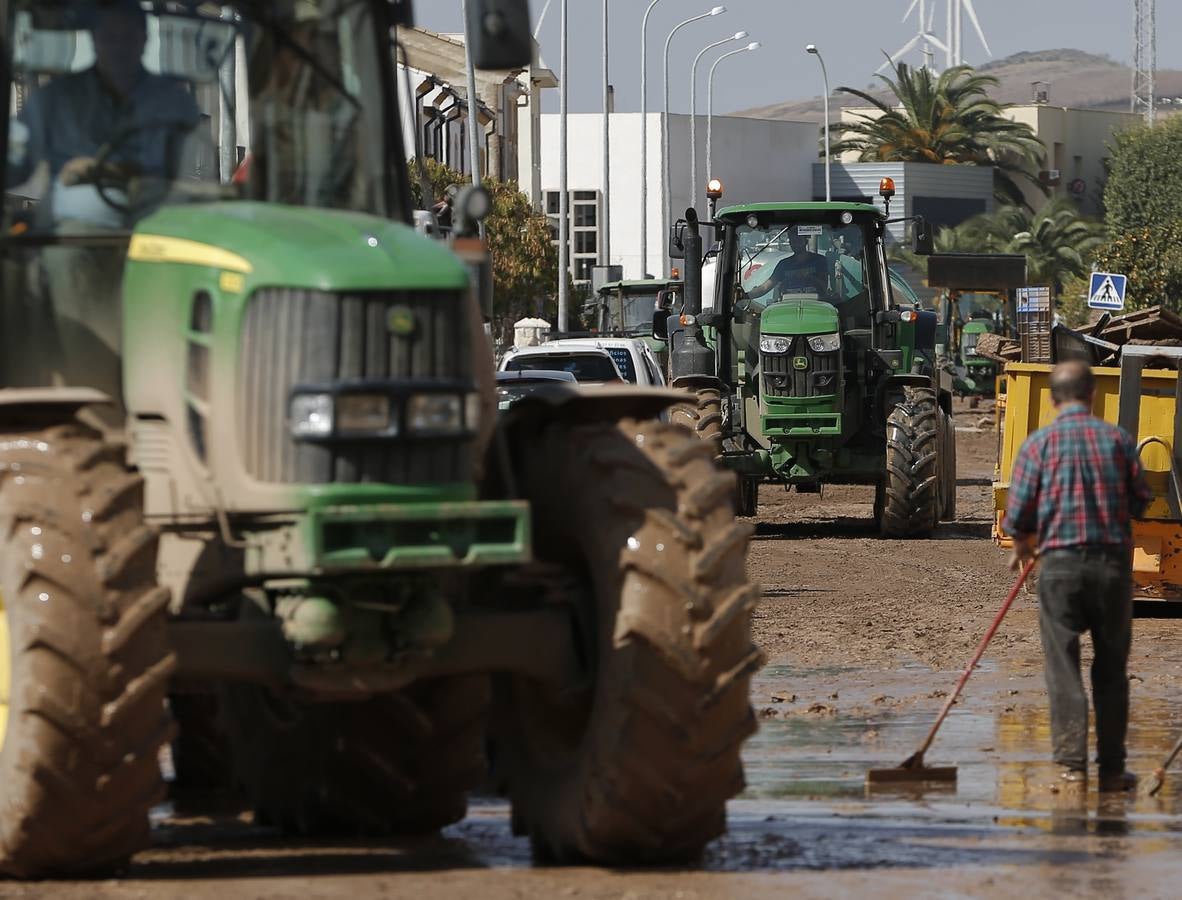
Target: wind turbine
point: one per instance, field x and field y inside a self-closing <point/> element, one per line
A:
<point x="923" y="35"/>
<point x="953" y="52"/>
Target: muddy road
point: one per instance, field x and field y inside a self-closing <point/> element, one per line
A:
<point x="863" y="638"/>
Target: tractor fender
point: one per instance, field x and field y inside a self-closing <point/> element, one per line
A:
<point x="695" y="383"/>
<point x="607" y="403"/>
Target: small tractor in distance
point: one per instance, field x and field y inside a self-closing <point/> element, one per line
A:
<point x="253" y="485"/>
<point x="818" y="374"/>
<point x="625" y="309"/>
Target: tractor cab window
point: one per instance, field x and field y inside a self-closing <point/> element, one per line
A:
<point x="119" y="107"/>
<point x="626" y="313"/>
<point x="784" y="260"/>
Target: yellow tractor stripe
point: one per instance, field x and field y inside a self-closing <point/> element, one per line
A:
<point x="156" y="248"/>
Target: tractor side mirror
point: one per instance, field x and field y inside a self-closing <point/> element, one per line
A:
<point x="661" y="324"/>
<point x="500" y="35"/>
<point x="676" y="243"/>
<point x="922" y="238"/>
<point x="890" y="316"/>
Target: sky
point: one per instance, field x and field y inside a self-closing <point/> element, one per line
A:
<point x="851" y="35"/>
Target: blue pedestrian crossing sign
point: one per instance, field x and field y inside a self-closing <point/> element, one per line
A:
<point x="1107" y="291"/>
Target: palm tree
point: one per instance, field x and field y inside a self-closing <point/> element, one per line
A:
<point x="948" y="119"/>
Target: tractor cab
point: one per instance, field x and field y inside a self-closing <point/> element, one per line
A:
<point x="634" y="308"/>
<point x="151" y="132"/>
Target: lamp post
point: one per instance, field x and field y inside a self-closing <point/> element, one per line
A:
<point x="605" y="224"/>
<point x="473" y="144"/>
<point x="667" y="204"/>
<point x="812" y="48"/>
<point x="644" y="139"/>
<point x="737" y="36"/>
<point x="563" y="198"/>
<point x="754" y="45"/>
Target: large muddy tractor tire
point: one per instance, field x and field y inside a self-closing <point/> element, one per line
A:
<point x="84" y="659"/>
<point x="949" y="468"/>
<point x="914" y="480"/>
<point x="703" y="418"/>
<point x="637" y="767"/>
<point x="395" y="764"/>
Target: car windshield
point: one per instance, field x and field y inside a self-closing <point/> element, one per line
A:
<point x="809" y="259"/>
<point x="584" y="366"/>
<point x="120" y="107"/>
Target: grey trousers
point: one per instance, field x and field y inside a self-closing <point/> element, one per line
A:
<point x="1087" y="590"/>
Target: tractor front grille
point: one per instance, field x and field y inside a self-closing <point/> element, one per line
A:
<point x="781" y="377"/>
<point x="303" y="337"/>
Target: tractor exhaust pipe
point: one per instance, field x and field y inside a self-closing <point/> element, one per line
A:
<point x="691" y="360"/>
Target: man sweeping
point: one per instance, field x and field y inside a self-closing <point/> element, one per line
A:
<point x="1077" y="484"/>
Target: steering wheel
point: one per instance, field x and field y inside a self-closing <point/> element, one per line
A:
<point x="108" y="176"/>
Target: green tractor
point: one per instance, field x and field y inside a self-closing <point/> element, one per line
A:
<point x="256" y="500"/>
<point x="625" y="309"/>
<point x="980" y="373"/>
<point x="811" y="369"/>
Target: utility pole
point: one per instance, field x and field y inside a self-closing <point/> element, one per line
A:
<point x="1144" y="59"/>
<point x="473" y="103"/>
<point x="605" y="241"/>
<point x="563" y="187"/>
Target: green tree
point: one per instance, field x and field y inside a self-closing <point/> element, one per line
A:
<point x="946" y="119"/>
<point x="524" y="258"/>
<point x="1143" y="203"/>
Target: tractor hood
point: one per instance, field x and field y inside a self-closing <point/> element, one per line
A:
<point x="288" y="246"/>
<point x="799" y="316"/>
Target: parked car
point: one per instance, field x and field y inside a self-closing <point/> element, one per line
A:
<point x="632" y="356"/>
<point x="515" y="386"/>
<point x="588" y="365"/>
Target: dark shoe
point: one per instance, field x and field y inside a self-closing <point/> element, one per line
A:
<point x="1117" y="782"/>
<point x="1070" y="780"/>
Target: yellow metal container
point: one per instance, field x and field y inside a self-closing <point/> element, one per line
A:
<point x="1025" y="406"/>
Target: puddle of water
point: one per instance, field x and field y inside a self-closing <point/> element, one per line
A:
<point x="1000" y="744"/>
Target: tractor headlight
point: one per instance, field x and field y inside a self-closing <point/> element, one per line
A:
<point x="367" y="414"/>
<point x="311" y="415"/>
<point x="435" y="414"/>
<point x="825" y="343"/>
<point x="775" y="344"/>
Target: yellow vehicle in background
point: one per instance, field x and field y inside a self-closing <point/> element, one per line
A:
<point x="1144" y="396"/>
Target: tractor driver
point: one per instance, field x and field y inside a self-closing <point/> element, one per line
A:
<point x="802" y="272"/>
<point x="115" y="115"/>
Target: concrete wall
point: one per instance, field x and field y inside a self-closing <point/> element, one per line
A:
<point x="756" y="160"/>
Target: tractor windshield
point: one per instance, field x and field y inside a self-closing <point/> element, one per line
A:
<point x="120" y="107"/>
<point x="810" y="259"/>
<point x="628" y="313"/>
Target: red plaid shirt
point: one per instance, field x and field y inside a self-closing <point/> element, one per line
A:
<point x="1077" y="482"/>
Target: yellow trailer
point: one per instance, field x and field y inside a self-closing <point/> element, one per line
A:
<point x="1145" y="398"/>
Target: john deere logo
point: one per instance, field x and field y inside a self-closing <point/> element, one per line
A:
<point x="800" y="362"/>
<point x="401" y="322"/>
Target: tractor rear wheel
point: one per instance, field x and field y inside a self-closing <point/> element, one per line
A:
<point x="395" y="764"/>
<point x="703" y="418"/>
<point x="84" y="660"/>
<point x="638" y="767"/>
<point x="201" y="760"/>
<point x="914" y="478"/>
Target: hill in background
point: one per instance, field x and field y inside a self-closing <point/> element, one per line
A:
<point x="1076" y="79"/>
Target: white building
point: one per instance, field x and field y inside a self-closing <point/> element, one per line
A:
<point x="756" y="159"/>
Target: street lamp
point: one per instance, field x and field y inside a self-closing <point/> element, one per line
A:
<point x="737" y="36"/>
<point x="754" y="45"/>
<point x="563" y="185"/>
<point x="812" y="48"/>
<point x="667" y="205"/>
<point x="605" y="224"/>
<point x="644" y="139"/>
